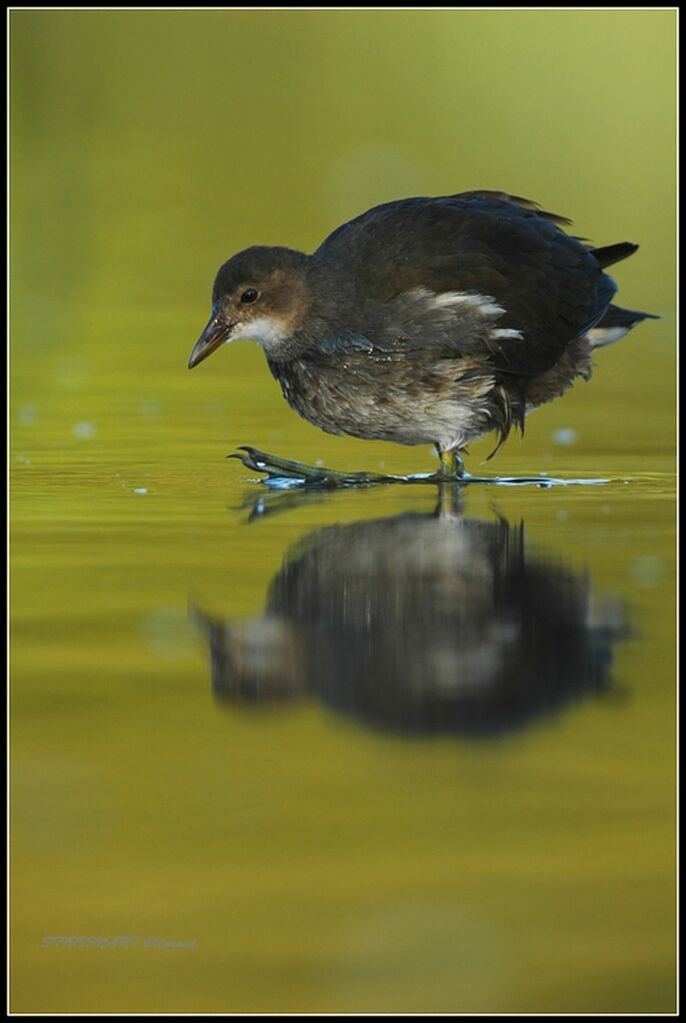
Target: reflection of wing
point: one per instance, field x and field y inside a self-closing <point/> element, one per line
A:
<point x="534" y="288"/>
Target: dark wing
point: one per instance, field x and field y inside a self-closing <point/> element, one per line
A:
<point x="538" y="288"/>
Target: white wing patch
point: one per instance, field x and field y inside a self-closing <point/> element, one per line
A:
<point x="501" y="332"/>
<point x="486" y="305"/>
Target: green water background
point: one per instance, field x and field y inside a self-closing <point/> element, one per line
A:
<point x="318" y="865"/>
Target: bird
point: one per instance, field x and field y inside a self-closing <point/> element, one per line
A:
<point x="426" y="320"/>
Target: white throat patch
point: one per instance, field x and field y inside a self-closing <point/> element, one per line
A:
<point x="265" y="330"/>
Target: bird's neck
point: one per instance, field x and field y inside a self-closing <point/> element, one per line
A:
<point x="328" y="308"/>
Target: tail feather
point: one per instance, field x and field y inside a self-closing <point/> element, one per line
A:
<point x="615" y="324"/>
<point x="609" y="254"/>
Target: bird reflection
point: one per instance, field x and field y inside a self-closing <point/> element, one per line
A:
<point x="421" y="624"/>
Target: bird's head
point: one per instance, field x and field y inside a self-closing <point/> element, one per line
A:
<point x="260" y="294"/>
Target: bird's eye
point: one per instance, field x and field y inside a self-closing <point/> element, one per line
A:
<point x="249" y="295"/>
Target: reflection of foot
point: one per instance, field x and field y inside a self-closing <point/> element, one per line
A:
<point x="311" y="475"/>
<point x="274" y="500"/>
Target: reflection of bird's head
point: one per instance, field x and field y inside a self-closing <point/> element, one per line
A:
<point x="261" y="294"/>
<point x="254" y="661"/>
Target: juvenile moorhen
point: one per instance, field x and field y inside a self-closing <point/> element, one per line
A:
<point x="422" y="321"/>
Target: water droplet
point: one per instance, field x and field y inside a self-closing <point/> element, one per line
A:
<point x="84" y="430"/>
<point x="27" y="415"/>
<point x="566" y="437"/>
<point x="647" y="571"/>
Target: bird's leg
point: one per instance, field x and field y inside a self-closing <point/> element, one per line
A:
<point x="451" y="469"/>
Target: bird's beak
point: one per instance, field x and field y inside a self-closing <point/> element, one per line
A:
<point x="215" y="334"/>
